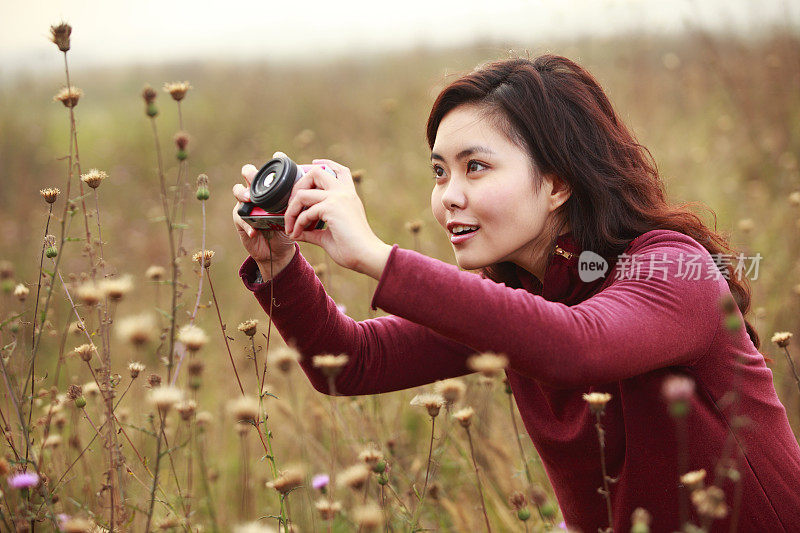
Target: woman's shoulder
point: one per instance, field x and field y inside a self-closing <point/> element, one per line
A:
<point x="663" y="238"/>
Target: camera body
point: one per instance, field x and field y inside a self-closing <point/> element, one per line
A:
<point x="269" y="194"/>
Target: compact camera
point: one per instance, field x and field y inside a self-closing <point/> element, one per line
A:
<point x="269" y="194"/>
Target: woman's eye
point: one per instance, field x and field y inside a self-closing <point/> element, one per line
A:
<point x="471" y="166"/>
<point x="438" y="171"/>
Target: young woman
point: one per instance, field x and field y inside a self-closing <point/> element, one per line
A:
<point x="532" y="168"/>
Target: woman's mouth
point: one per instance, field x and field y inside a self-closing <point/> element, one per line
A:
<point x="461" y="234"/>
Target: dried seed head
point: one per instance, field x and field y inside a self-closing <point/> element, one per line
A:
<point x="91" y="389"/>
<point x="354" y="476"/>
<point x="203" y="418"/>
<point x="177" y="90"/>
<point x="640" y="516"/>
<point x="149" y="94"/>
<point x="186" y="409"/>
<point x="52" y="441"/>
<point x="794" y="198"/>
<point x="154" y="381"/>
<point x="203" y="257"/>
<point x="288" y="480"/>
<point x="694" y="480"/>
<point x="370" y="455"/>
<point x="414" y="226"/>
<point x="710" y="502"/>
<point x="75" y="328"/>
<point x="285" y="358"/>
<point x="181" y="140"/>
<point x="597" y="401"/>
<point x="195" y="367"/>
<point x="74" y="392"/>
<point x="165" y="397"/>
<point x="304" y="138"/>
<point x="244" y="409"/>
<point x="517" y="500"/>
<point x="116" y="288"/>
<point x="330" y="365"/>
<point x="85" y="352"/>
<point x="369" y="516"/>
<point x="21" y="292"/>
<point x="358" y="176"/>
<point x="430" y="401"/>
<point x="137" y="329"/>
<point x="94" y="178"/>
<point x="155" y="273"/>
<point x="6" y="270"/>
<point x="452" y="390"/>
<point x="782" y="338"/>
<point x="192" y="337"/>
<point x="89" y="293"/>
<point x="249" y="327"/>
<point x="746" y="225"/>
<point x="135" y="368"/>
<point x="488" y="364"/>
<point x="677" y="388"/>
<point x="327" y="509"/>
<point x="464" y="416"/>
<point x="202" y="180"/>
<point x="59" y="34"/>
<point x="50" y="194"/>
<point x="68" y="96"/>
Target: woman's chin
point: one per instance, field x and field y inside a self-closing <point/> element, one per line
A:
<point x="469" y="263"/>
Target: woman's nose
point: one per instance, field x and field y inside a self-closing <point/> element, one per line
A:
<point x="454" y="196"/>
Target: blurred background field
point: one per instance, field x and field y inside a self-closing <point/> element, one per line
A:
<point x="720" y="114"/>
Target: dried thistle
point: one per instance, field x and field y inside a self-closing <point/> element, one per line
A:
<point x="155" y="273"/>
<point x="154" y="381"/>
<point x="74" y="392"/>
<point x="203" y="257"/>
<point x="694" y="480"/>
<point x="368" y="516"/>
<point x="488" y="364"/>
<point x="192" y="337"/>
<point x="354" y="476"/>
<point x="597" y="401"/>
<point x="50" y="194"/>
<point x="782" y="338"/>
<point x="517" y="500"/>
<point x="288" y="480"/>
<point x="327" y="509"/>
<point x="115" y="288"/>
<point x="165" y="397"/>
<point x="149" y="94"/>
<point x="68" y="96"/>
<point x="137" y="329"/>
<point x="94" y="178"/>
<point x="431" y="401"/>
<point x="59" y="34"/>
<point x="330" y="365"/>
<point x="414" y="226"/>
<point x="244" y="409"/>
<point x="186" y="409"/>
<point x="370" y="455"/>
<point x="710" y="502"/>
<point x="135" y="368"/>
<point x="181" y="140"/>
<point x="202" y="193"/>
<point x="452" y="390"/>
<point x="249" y="327"/>
<point x="177" y="90"/>
<point x="21" y="292"/>
<point x="285" y="358"/>
<point x="85" y="352"/>
<point x="89" y="293"/>
<point x="464" y="416"/>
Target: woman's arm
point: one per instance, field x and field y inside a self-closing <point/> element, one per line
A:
<point x="631" y="327"/>
<point x="386" y="353"/>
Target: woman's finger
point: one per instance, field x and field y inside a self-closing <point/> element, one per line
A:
<point x="241" y="226"/>
<point x="241" y="193"/>
<point x="315" y="177"/>
<point x="308" y="217"/>
<point x="302" y="199"/>
<point x="249" y="172"/>
<point x="342" y="172"/>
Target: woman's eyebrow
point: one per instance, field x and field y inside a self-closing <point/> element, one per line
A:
<point x="465" y="152"/>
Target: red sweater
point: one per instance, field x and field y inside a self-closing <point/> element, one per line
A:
<point x="620" y="334"/>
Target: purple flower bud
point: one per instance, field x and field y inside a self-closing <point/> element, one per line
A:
<point x="320" y="481"/>
<point x="23" y="480"/>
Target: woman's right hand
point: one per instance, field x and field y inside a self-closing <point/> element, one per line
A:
<point x="260" y="244"/>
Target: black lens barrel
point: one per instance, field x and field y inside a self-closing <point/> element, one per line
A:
<point x="273" y="197"/>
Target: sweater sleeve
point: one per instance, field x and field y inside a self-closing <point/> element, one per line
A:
<point x="385" y="354"/>
<point x="631" y="327"/>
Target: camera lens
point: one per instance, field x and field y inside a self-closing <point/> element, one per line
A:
<point x="273" y="184"/>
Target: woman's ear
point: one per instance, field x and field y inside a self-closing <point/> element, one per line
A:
<point x="560" y="191"/>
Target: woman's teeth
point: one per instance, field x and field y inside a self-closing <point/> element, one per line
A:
<point x="457" y="230"/>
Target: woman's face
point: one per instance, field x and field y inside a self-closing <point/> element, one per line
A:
<point x="485" y="181"/>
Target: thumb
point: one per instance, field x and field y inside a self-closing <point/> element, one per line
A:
<point x="314" y="236"/>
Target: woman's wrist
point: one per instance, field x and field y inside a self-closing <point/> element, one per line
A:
<point x="270" y="269"/>
<point x="374" y="260"/>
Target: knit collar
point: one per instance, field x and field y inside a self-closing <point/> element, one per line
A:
<point x="562" y="282"/>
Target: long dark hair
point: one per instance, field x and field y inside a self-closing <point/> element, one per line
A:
<point x="559" y="113"/>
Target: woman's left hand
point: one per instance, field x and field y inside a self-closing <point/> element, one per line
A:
<point x="348" y="239"/>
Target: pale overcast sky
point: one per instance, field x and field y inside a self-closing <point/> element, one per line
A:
<point x="150" y="31"/>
